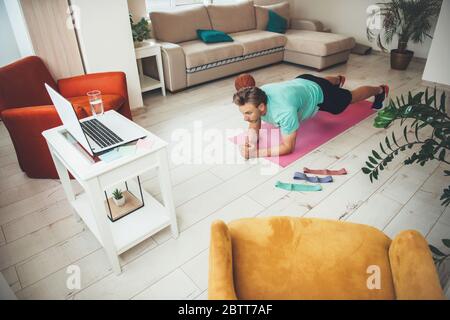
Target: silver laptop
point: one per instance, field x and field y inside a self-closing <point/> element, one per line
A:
<point x="98" y="134"/>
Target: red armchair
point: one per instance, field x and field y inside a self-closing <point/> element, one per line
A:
<point x="26" y="109"/>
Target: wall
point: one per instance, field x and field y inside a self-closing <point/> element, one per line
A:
<point x="53" y="36"/>
<point x="106" y="41"/>
<point x="138" y="9"/>
<point x="437" y="68"/>
<point x="346" y="17"/>
<point x="266" y="2"/>
<point x="9" y="51"/>
<point x="19" y="27"/>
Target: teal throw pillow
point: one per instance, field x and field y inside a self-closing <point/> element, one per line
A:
<point x="213" y="36"/>
<point x="276" y="23"/>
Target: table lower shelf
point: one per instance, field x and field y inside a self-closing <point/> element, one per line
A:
<point x="148" y="83"/>
<point x="131" y="229"/>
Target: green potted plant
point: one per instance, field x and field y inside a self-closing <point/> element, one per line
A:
<point x="442" y="262"/>
<point x="424" y="111"/>
<point x="406" y="19"/>
<point x="118" y="198"/>
<point x="140" y="31"/>
<point x="440" y="257"/>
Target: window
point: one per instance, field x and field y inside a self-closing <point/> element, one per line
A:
<point x="223" y="1"/>
<point x="156" y="5"/>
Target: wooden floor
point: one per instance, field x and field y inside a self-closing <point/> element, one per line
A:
<point x="40" y="238"/>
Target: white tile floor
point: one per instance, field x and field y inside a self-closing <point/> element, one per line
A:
<point x="39" y="238"/>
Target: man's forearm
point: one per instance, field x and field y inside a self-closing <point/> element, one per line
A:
<point x="280" y="150"/>
<point x="253" y="132"/>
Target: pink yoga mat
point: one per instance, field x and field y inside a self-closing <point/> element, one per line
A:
<point x="313" y="132"/>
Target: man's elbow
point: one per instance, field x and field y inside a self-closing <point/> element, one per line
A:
<point x="290" y="150"/>
<point x="287" y="150"/>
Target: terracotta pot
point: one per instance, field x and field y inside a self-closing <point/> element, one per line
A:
<point x="400" y="60"/>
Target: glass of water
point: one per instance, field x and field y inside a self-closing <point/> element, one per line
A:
<point x="95" y="100"/>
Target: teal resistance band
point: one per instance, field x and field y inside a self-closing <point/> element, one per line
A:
<point x="298" y="187"/>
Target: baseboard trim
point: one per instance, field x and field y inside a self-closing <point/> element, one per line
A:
<point x="440" y="86"/>
<point x="387" y="54"/>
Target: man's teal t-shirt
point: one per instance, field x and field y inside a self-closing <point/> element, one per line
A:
<point x="290" y="102"/>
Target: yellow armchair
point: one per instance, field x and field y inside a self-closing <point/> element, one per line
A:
<point x="299" y="258"/>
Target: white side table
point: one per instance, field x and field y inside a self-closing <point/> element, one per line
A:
<point x="150" y="48"/>
<point x="95" y="177"/>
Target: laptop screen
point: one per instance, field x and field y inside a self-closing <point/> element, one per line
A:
<point x="68" y="117"/>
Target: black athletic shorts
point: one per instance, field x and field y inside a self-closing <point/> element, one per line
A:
<point x="335" y="99"/>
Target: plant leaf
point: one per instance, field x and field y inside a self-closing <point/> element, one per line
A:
<point x="423" y="125"/>
<point x="387" y="143"/>
<point x="416" y="131"/>
<point x="375" y="174"/>
<point x="405" y="133"/>
<point x="446" y="242"/>
<point x="436" y="251"/>
<point x="393" y="139"/>
<point x="417" y="98"/>
<point x="376" y="155"/>
<point x="442" y="155"/>
<point x="382" y="149"/>
<point x="442" y="106"/>
<point x="366" y="170"/>
<point x="398" y="101"/>
<point x="434" y="98"/>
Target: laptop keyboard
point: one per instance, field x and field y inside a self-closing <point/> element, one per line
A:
<point x="98" y="132"/>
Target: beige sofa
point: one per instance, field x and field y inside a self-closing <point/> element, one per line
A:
<point x="188" y="61"/>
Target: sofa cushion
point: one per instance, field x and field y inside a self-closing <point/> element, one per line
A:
<point x="317" y="43"/>
<point x="179" y="25"/>
<point x="213" y="36"/>
<point x="262" y="14"/>
<point x="232" y="17"/>
<point x="293" y="258"/>
<point x="276" y="23"/>
<point x="198" y="53"/>
<point x="258" y="40"/>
